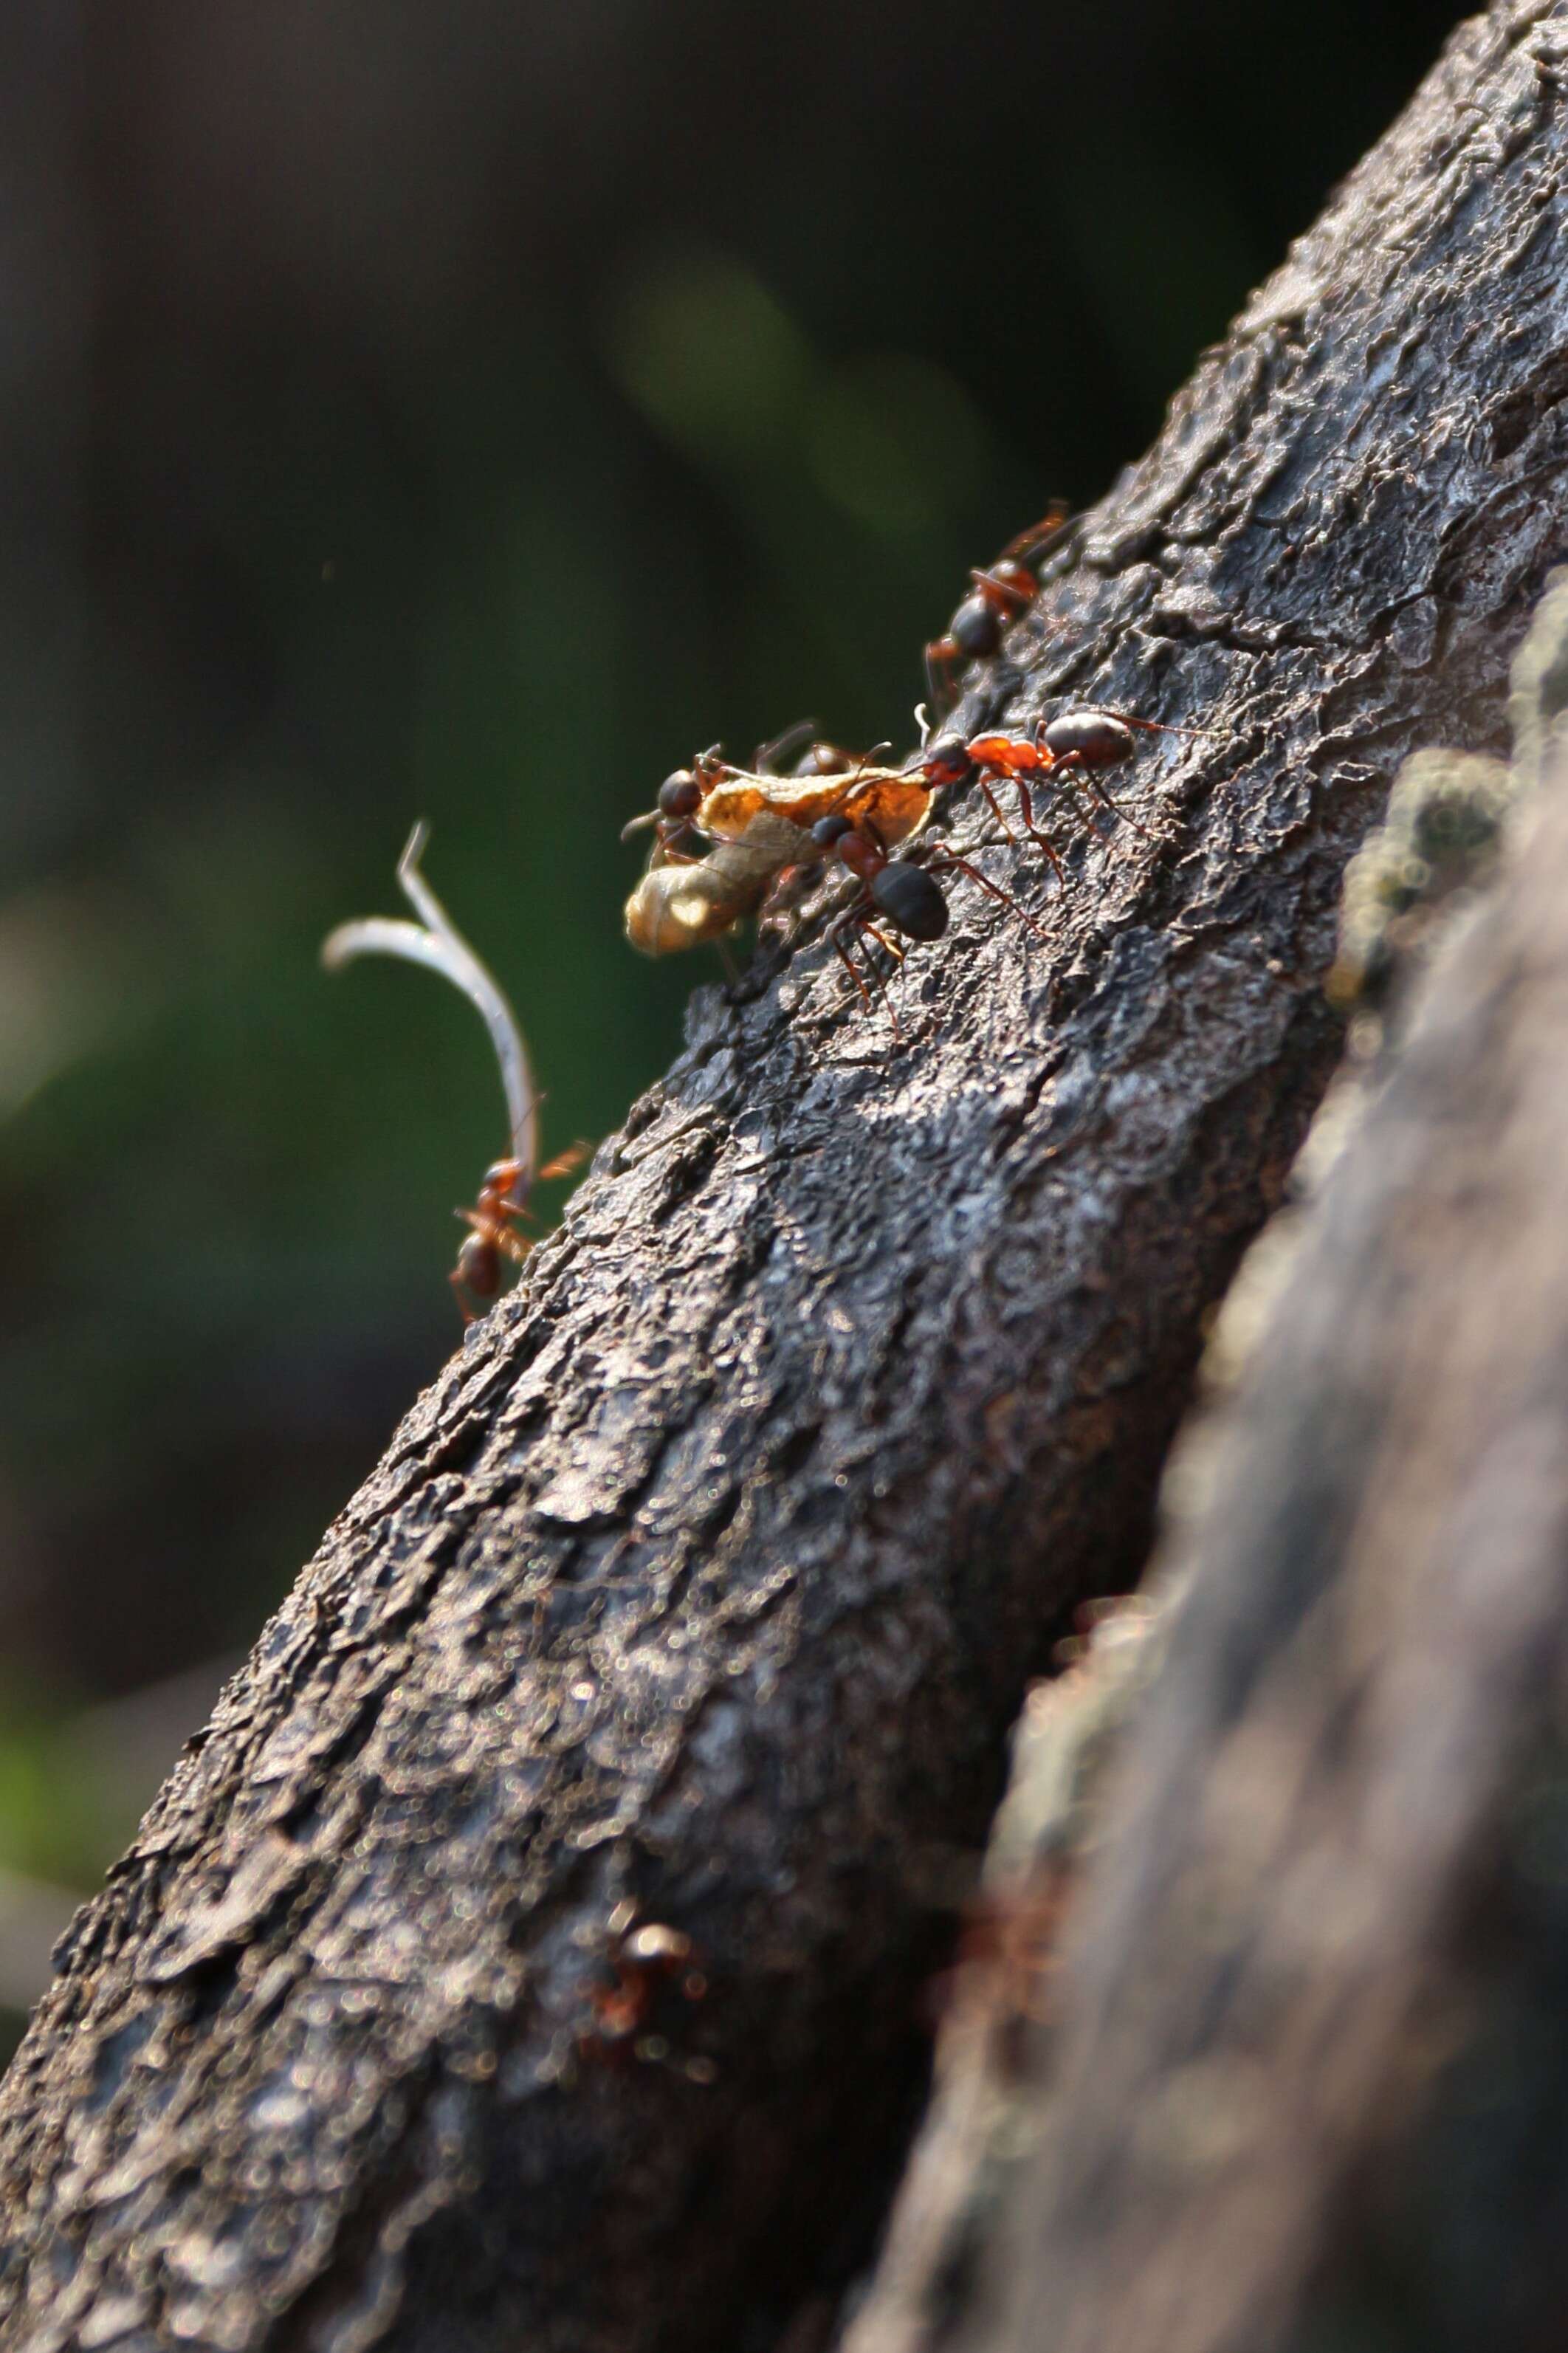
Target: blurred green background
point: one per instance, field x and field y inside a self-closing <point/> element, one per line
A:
<point x="470" y="413"/>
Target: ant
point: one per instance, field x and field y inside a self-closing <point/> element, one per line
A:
<point x="756" y="827"/>
<point x="437" y="943"/>
<point x="1000" y="593"/>
<point x="1073" y="746"/>
<point x="678" y="840"/>
<point x="651" y="1964"/>
<point x="493" y="1238"/>
<point x="901" y="889"/>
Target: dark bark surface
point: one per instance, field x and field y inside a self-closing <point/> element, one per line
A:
<point x="709" y="1575"/>
<point x="1311" y="2086"/>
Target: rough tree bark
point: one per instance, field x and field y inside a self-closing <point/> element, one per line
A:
<point x="1293" y="2075"/>
<point x="1311" y="2085"/>
<point x="709" y="1574"/>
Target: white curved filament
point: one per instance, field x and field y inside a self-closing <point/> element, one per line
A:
<point x="437" y="943"/>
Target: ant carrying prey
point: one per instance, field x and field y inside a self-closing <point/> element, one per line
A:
<point x="732" y="842"/>
<point x="763" y="832"/>
<point x="437" y="943"/>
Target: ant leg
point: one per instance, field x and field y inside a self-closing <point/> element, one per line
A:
<point x="894" y="950"/>
<point x="563" y="1164"/>
<point x="940" y="684"/>
<point x="1157" y="726"/>
<point x="882" y="984"/>
<point x="1026" y="805"/>
<point x="842" y="953"/>
<point x="996" y="811"/>
<point x="1007" y="900"/>
<point x="1086" y="778"/>
<point x="731" y="969"/>
<point x="765" y="759"/>
<point x="1031" y="544"/>
<point x="867" y="758"/>
<point x="464" y="1310"/>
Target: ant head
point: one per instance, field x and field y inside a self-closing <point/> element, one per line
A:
<point x="680" y="795"/>
<point x="824" y="760"/>
<point x="830" y="830"/>
<point x="944" y="761"/>
<point x="501" y="1175"/>
<point x="655" y="1946"/>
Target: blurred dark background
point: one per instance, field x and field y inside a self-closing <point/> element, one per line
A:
<point x="471" y="411"/>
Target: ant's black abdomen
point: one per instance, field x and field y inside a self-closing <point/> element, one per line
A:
<point x="908" y="897"/>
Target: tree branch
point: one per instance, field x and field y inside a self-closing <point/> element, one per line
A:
<point x="1307" y="2084"/>
<point x="709" y="1575"/>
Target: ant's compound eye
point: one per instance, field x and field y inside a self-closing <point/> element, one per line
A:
<point x="479" y="1265"/>
<point x="680" y="795"/>
<point x="976" y="626"/>
<point x="908" y="897"/>
<point x="829" y="829"/>
<point x="1092" y="737"/>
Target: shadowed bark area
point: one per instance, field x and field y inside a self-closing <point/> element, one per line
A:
<point x="1311" y="2086"/>
<point x="708" y="1577"/>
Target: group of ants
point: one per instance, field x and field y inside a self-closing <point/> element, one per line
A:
<point x="731" y="843"/>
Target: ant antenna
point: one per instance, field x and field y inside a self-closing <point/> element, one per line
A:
<point x="437" y="943"/>
<point x="767" y="757"/>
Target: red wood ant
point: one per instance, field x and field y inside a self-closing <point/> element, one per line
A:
<point x="1071" y="747"/>
<point x="1000" y="593"/>
<point x="494" y="1237"/>
<point x="899" y="889"/>
<point x="653" y="1966"/>
<point x="437" y="943"/>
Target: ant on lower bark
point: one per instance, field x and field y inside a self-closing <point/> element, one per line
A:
<point x="637" y="2012"/>
<point x="494" y="1236"/>
<point x="437" y="943"/>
